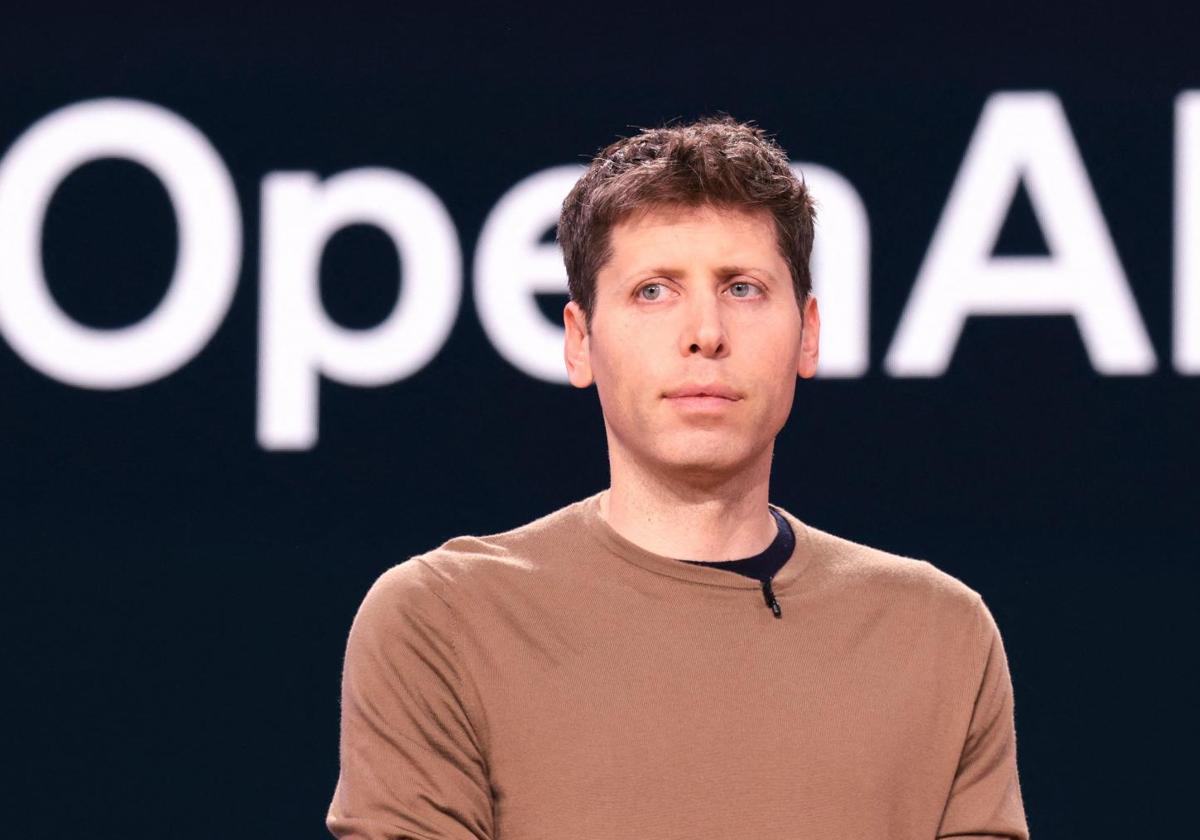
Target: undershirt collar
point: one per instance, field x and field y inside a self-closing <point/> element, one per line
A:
<point x="766" y="563"/>
<point x="588" y="512"/>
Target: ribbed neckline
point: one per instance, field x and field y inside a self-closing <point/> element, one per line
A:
<point x="589" y="509"/>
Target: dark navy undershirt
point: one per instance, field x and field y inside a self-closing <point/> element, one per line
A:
<point x="765" y="564"/>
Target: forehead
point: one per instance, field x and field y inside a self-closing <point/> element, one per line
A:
<point x="660" y="219"/>
<point x="697" y="231"/>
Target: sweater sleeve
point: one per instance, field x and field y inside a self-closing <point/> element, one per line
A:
<point x="985" y="797"/>
<point x="412" y="764"/>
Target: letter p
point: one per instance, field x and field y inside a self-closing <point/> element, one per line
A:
<point x="299" y="342"/>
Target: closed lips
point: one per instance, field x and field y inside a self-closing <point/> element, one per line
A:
<point x="704" y="391"/>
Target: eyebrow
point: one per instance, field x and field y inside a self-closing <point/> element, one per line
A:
<point x="722" y="269"/>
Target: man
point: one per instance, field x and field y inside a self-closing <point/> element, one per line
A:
<point x="608" y="671"/>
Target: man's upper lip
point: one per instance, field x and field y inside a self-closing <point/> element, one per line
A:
<point x="695" y="389"/>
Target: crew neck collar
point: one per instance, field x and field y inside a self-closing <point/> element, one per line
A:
<point x="631" y="552"/>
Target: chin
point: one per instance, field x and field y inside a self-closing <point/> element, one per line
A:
<point x="700" y="460"/>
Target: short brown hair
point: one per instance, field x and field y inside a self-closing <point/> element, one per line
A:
<point x="715" y="160"/>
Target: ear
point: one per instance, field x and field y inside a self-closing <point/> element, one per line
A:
<point x="810" y="334"/>
<point x="577" y="349"/>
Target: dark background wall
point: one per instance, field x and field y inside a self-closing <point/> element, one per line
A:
<point x="176" y="596"/>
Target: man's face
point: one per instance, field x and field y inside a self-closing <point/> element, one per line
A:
<point x="694" y="298"/>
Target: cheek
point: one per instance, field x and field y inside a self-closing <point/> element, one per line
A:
<point x="622" y="383"/>
<point x="786" y="397"/>
<point x="628" y="361"/>
<point x="778" y="385"/>
<point x="779" y="347"/>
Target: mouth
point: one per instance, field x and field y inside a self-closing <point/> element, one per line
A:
<point x="702" y="400"/>
<point x="695" y="390"/>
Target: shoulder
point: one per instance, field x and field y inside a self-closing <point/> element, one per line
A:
<point x="405" y="594"/>
<point x="864" y="572"/>
<point x="920" y="603"/>
<point x="472" y="564"/>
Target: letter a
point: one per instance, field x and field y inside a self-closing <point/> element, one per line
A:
<point x="1021" y="137"/>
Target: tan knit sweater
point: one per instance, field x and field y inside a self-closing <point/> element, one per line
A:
<point x="559" y="682"/>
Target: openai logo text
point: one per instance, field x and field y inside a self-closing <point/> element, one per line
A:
<point x="1021" y="138"/>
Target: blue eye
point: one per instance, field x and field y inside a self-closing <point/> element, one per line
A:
<point x="650" y="286"/>
<point x="748" y="285"/>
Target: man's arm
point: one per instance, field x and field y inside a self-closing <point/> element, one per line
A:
<point x="985" y="798"/>
<point x="411" y="760"/>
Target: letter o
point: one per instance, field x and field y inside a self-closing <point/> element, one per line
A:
<point x="207" y="264"/>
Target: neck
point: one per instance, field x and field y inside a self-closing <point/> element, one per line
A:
<point x="724" y="518"/>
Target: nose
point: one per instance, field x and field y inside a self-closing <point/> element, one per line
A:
<point x="704" y="330"/>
